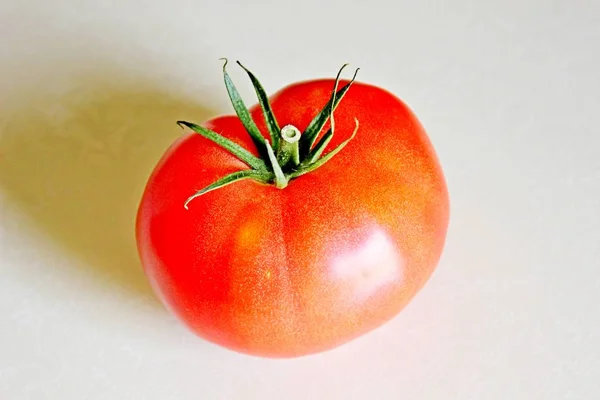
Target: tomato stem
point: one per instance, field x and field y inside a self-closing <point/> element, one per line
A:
<point x="288" y="154"/>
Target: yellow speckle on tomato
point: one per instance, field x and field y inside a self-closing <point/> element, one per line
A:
<point x="248" y="235"/>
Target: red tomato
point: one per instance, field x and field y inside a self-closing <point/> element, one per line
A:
<point x="284" y="272"/>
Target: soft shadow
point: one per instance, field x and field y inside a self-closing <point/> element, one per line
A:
<point x="77" y="163"/>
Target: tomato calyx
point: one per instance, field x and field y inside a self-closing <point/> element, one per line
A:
<point x="289" y="153"/>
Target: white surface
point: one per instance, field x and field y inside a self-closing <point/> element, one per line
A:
<point x="509" y="92"/>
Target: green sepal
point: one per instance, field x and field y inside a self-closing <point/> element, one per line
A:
<point x="263" y="99"/>
<point x="316" y="152"/>
<point x="312" y="166"/>
<point x="242" y="112"/>
<point x="320" y="147"/>
<point x="280" y="179"/>
<point x="234" y="148"/>
<point x="312" y="131"/>
<point x="229" y="179"/>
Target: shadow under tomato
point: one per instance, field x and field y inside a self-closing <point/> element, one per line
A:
<point x="77" y="163"/>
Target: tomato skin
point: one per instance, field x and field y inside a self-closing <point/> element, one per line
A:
<point x="295" y="271"/>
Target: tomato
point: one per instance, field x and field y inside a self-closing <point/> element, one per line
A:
<point x="302" y="264"/>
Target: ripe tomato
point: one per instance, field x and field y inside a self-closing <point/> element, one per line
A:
<point x="284" y="267"/>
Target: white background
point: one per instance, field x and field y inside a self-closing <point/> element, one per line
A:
<point x="508" y="90"/>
